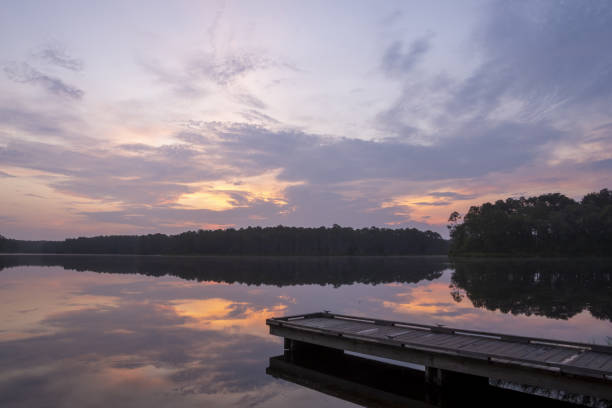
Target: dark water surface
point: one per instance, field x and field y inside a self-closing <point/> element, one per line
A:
<point x="101" y="331"/>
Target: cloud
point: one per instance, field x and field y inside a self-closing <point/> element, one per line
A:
<point x="198" y="76"/>
<point x="14" y="116"/>
<point x="172" y="219"/>
<point x="224" y="70"/>
<point x="315" y="205"/>
<point x="538" y="78"/>
<point x="597" y="165"/>
<point x="253" y="115"/>
<point x="342" y="180"/>
<point x="451" y="194"/>
<point x="4" y="174"/>
<point x="24" y="73"/>
<point x="546" y="55"/>
<point x="307" y="206"/>
<point x="157" y="175"/>
<point x="56" y="55"/>
<point x="433" y="204"/>
<point x="193" y="138"/>
<point x="605" y="126"/>
<point x="183" y="84"/>
<point x="136" y="147"/>
<point x="538" y="65"/>
<point x="474" y="151"/>
<point x="535" y="62"/>
<point x="174" y="163"/>
<point x="420" y="112"/>
<point x="400" y="61"/>
<point x="391" y="18"/>
<point x="250" y="100"/>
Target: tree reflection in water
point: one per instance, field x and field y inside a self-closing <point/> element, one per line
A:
<point x="555" y="288"/>
<point x="277" y="271"/>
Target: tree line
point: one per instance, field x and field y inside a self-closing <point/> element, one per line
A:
<point x="278" y="240"/>
<point x="549" y="224"/>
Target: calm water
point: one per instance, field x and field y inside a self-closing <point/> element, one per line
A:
<point x="158" y="331"/>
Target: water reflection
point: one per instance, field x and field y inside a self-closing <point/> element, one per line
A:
<point x="126" y="347"/>
<point x="165" y="331"/>
<point x="279" y="271"/>
<point x="558" y="289"/>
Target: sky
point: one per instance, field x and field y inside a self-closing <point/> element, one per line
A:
<point x="152" y="116"/>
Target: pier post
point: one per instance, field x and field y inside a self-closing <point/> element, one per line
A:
<point x="434" y="376"/>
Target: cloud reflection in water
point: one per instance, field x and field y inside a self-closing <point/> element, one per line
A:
<point x="71" y="338"/>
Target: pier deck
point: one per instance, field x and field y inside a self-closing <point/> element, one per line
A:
<point x="554" y="364"/>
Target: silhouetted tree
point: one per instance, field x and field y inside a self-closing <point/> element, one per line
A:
<point x="550" y="224"/>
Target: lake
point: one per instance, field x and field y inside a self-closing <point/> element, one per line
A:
<point x="101" y="331"/>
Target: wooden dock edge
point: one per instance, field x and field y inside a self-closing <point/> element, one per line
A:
<point x="489" y="368"/>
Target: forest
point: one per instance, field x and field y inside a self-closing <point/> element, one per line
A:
<point x="549" y="225"/>
<point x="293" y="241"/>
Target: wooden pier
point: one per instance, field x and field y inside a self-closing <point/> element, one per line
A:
<point x="455" y="355"/>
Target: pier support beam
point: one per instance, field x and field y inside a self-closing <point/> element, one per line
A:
<point x="438" y="377"/>
<point x="296" y="350"/>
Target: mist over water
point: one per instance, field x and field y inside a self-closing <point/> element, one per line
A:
<point x="190" y="331"/>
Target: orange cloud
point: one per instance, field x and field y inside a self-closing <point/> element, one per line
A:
<point x="216" y="314"/>
<point x="222" y="195"/>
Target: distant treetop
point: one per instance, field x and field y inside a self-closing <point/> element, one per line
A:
<point x="278" y="240"/>
<point x="549" y="224"/>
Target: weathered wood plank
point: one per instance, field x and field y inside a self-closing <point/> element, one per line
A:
<point x="491" y="346"/>
<point x="599" y="361"/>
<point x="436" y="339"/>
<point x="424" y="339"/>
<point x="369" y="331"/>
<point x="331" y="324"/>
<point x="390" y="331"/>
<point x="353" y="327"/>
<point x="537" y="352"/>
<point x="460" y="341"/>
<point x="449" y="340"/>
<point x="607" y="367"/>
<point x="412" y="336"/>
<point x="515" y="350"/>
<point x="317" y="322"/>
<point x="550" y="354"/>
<point x="585" y="359"/>
<point x="456" y="341"/>
<point x="568" y="359"/>
<point x="474" y="343"/>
